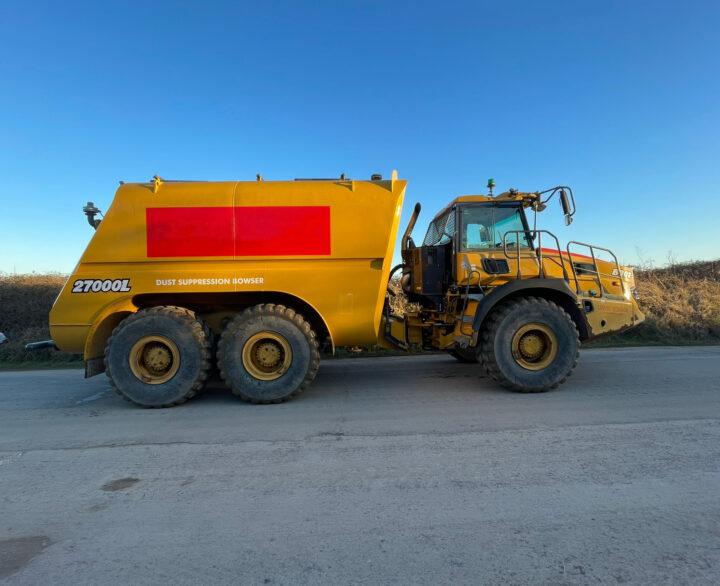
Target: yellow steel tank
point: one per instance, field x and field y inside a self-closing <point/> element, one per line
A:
<point x="320" y="249"/>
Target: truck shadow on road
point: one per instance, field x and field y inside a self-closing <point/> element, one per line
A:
<point x="379" y="379"/>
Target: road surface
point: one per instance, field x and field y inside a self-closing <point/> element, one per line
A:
<point x="409" y="470"/>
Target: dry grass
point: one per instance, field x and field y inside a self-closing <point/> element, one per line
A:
<point x="398" y="302"/>
<point x="25" y="301"/>
<point x="681" y="303"/>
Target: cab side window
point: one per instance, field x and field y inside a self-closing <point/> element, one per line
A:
<point x="485" y="226"/>
<point x="441" y="230"/>
<point x="477" y="228"/>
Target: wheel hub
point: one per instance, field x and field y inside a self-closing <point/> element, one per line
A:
<point x="534" y="346"/>
<point x="154" y="359"/>
<point x="267" y="356"/>
<point x="157" y="358"/>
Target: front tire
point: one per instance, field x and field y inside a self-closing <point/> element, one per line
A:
<point x="159" y="357"/>
<point x="268" y="354"/>
<point x="530" y="345"/>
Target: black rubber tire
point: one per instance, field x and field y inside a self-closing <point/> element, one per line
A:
<point x="496" y="341"/>
<point x="193" y="340"/>
<point x="467" y="355"/>
<point x="293" y="328"/>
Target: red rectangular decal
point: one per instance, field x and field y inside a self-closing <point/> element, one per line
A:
<point x="189" y="232"/>
<point x="258" y="231"/>
<point x="282" y="230"/>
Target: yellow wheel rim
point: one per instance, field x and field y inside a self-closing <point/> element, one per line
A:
<point x="267" y="355"/>
<point x="534" y="346"/>
<point x="154" y="359"/>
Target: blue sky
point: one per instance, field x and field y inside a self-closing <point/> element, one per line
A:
<point x="620" y="100"/>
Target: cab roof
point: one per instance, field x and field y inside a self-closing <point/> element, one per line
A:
<point x="505" y="197"/>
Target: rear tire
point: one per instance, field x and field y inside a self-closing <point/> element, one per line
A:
<point x="530" y="345"/>
<point x="159" y="357"/>
<point x="467" y="355"/>
<point x="268" y="354"/>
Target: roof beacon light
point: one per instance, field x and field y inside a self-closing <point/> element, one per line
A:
<point x="490" y="185"/>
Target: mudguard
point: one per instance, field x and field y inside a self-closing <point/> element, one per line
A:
<point x="555" y="289"/>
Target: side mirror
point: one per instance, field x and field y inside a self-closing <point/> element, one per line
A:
<point x="565" y="202"/>
<point x="484" y="234"/>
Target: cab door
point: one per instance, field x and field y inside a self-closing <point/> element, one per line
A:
<point x="483" y="230"/>
<point x="433" y="262"/>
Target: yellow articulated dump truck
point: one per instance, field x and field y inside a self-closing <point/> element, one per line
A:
<point x="253" y="277"/>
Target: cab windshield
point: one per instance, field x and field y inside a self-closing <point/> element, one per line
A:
<point x="484" y="226"/>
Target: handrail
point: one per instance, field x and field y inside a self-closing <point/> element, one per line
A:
<point x="597" y="272"/>
<point x="513" y="253"/>
<point x="538" y="251"/>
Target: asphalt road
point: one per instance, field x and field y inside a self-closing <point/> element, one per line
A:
<point x="411" y="470"/>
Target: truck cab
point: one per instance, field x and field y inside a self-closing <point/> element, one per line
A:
<point x="483" y="276"/>
<point x="470" y="232"/>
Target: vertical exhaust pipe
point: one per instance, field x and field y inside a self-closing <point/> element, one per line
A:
<point x="406" y="236"/>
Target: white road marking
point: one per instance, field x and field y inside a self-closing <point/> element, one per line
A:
<point x="94" y="397"/>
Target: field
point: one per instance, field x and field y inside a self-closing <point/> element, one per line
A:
<point x="681" y="302"/>
<point x="25" y="301"/>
